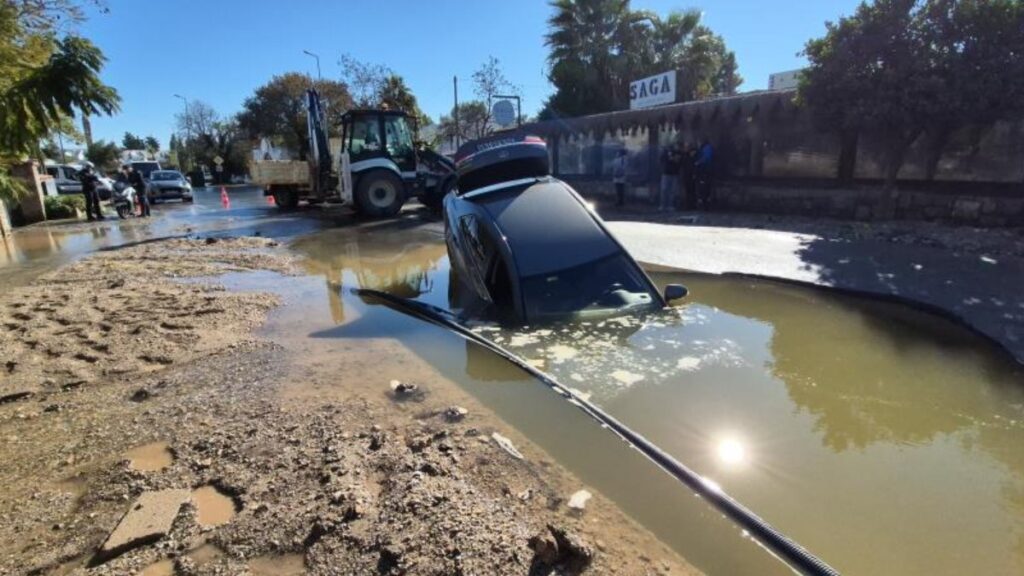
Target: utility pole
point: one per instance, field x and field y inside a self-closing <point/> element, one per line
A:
<point x="308" y="53"/>
<point x="455" y="82"/>
<point x="188" y="124"/>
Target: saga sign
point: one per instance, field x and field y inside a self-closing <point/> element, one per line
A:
<point x="653" y="91"/>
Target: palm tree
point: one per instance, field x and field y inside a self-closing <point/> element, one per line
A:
<point x="36" y="98"/>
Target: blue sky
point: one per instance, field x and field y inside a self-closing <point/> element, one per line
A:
<point x="219" y="51"/>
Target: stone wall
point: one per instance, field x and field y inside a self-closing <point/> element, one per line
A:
<point x="862" y="203"/>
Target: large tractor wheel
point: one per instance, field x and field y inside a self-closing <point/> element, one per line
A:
<point x="380" y="194"/>
<point x="434" y="198"/>
<point x="286" y="198"/>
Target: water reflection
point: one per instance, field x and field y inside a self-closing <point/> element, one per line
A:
<point x="885" y="440"/>
<point x="881" y="438"/>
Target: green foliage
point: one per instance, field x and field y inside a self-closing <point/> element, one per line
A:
<point x="899" y="68"/>
<point x="395" y="94"/>
<point x="152" y="144"/>
<point x="105" y="155"/>
<point x="597" y="47"/>
<point x="67" y="84"/>
<point x="132" y="142"/>
<point x="47" y="77"/>
<point x="278" y="109"/>
<point x="63" y="206"/>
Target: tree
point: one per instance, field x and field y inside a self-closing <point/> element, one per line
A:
<point x="44" y="78"/>
<point x="105" y="155"/>
<point x="152" y="144"/>
<point x="900" y="68"/>
<point x="366" y="81"/>
<point x="474" y="122"/>
<point x="278" y="109"/>
<point x="597" y="47"/>
<point x="396" y="95"/>
<point x="132" y="142"/>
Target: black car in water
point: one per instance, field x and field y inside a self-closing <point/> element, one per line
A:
<point x="524" y="247"/>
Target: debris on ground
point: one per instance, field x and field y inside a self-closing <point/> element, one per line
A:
<point x="506" y="445"/>
<point x="147" y="520"/>
<point x="578" y="501"/>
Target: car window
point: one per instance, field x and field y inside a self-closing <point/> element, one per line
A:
<point x="399" y="138"/>
<point x="589" y="286"/>
<point x="52" y="171"/>
<point x="366" y="137"/>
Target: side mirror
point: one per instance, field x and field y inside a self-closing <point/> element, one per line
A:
<point x="675" y="292"/>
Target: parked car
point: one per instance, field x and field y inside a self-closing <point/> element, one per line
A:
<point x="69" y="181"/>
<point x="525" y="248"/>
<point x="168" y="185"/>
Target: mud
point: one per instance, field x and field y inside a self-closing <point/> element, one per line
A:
<point x="128" y="354"/>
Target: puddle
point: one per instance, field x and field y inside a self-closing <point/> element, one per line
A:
<point x="213" y="506"/>
<point x="150" y="457"/>
<point x="280" y="565"/>
<point x="205" y="554"/>
<point x="159" y="568"/>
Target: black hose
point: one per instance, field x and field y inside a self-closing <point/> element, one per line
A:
<point x="792" y="553"/>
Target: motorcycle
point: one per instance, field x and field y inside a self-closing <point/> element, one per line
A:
<point x="123" y="200"/>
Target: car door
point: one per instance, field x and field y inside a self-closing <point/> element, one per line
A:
<point x="68" y="180"/>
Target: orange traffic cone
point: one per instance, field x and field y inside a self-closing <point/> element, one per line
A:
<point x="224" y="200"/>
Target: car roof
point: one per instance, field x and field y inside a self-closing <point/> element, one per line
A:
<point x="547" y="227"/>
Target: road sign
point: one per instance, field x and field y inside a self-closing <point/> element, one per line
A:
<point x="218" y="160"/>
<point x="219" y="168"/>
<point x="504" y="113"/>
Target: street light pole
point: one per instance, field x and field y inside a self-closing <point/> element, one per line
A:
<point x="188" y="123"/>
<point x="308" y="53"/>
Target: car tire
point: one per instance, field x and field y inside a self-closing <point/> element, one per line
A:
<point x="286" y="199"/>
<point x="434" y="198"/>
<point x="380" y="194"/>
<point x="187" y="200"/>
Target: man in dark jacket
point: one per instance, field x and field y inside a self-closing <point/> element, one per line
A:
<point x="139" y="184"/>
<point x="90" y="185"/>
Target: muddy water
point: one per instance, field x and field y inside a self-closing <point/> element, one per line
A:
<point x="150" y="457"/>
<point x="213" y="507"/>
<point x="884" y="440"/>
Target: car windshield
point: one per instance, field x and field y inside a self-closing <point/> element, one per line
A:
<point x="608" y="283"/>
<point x="146" y="168"/>
<point x="165" y="176"/>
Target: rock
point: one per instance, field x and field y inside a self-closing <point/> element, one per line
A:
<point x="574" y="554"/>
<point x="403" y="388"/>
<point x="147" y="520"/>
<point x="545" y="549"/>
<point x="140" y="395"/>
<point x="561" y="549"/>
<point x="455" y="413"/>
<point x="211" y="240"/>
<point x="578" y="501"/>
<point x="507" y="445"/>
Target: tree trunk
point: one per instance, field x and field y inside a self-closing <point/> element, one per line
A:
<point x="936" y="145"/>
<point x="848" y="140"/>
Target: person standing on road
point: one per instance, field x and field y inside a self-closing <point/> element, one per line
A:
<point x="669" y="177"/>
<point x="619" y="177"/>
<point x="90" y="185"/>
<point x="688" y="174"/>
<point x="139" y="184"/>
<point x="704" y="166"/>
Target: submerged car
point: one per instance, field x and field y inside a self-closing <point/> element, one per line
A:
<point x="168" y="185"/>
<point x="525" y="248"/>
